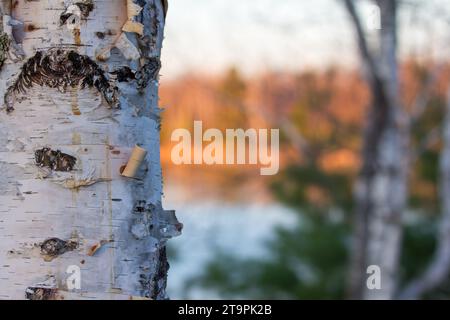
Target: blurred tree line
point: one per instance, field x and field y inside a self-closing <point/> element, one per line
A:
<point x="311" y="259"/>
<point x="322" y="116"/>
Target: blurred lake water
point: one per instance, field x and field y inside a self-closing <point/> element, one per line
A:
<point x="240" y="228"/>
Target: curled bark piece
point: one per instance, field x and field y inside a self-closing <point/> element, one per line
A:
<point x="58" y="68"/>
<point x="128" y="49"/>
<point x="54" y="160"/>
<point x="137" y="157"/>
<point x="93" y="250"/>
<point x="132" y="26"/>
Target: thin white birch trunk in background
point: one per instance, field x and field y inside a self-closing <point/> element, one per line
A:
<point x="87" y="215"/>
<point x="438" y="270"/>
<point x="381" y="188"/>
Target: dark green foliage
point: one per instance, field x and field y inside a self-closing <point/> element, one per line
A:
<point x="291" y="188"/>
<point x="305" y="262"/>
<point x="419" y="244"/>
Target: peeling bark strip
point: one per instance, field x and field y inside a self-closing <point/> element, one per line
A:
<point x="131" y="25"/>
<point x="57" y="68"/>
<point x="85" y="8"/>
<point x="55" y="160"/>
<point x="54" y="247"/>
<point x="96" y="247"/>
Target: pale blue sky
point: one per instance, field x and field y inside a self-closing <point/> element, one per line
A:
<point x="258" y="35"/>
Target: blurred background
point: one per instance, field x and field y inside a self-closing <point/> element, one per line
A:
<point x="297" y="66"/>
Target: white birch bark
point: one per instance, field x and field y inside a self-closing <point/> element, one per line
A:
<point x="439" y="268"/>
<point x="93" y="204"/>
<point x="381" y="188"/>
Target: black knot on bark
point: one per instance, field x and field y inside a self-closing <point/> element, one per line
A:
<point x="61" y="69"/>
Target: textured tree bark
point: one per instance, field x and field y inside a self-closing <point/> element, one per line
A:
<point x="83" y="96"/>
<point x="381" y="188"/>
<point x="439" y="268"/>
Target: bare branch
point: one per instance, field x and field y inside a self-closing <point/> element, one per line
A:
<point x="362" y="41"/>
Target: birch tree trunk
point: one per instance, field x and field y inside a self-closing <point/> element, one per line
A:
<point x="438" y="270"/>
<point x="78" y="99"/>
<point x="381" y="188"/>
